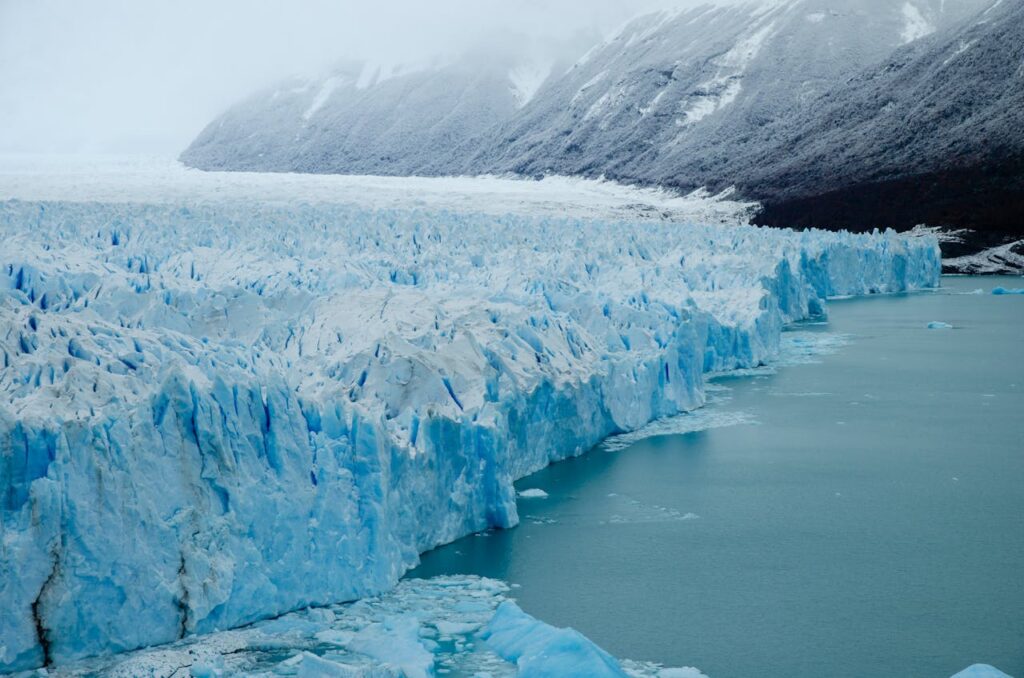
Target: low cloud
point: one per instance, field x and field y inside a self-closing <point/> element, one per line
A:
<point x="145" y="76"/>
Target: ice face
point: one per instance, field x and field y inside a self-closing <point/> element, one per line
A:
<point x="220" y="412"/>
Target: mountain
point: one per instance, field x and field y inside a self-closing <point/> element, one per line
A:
<point x="363" y="118"/>
<point x="676" y="94"/>
<point x="647" y="106"/>
<point x="867" y="114"/>
<point x="934" y="134"/>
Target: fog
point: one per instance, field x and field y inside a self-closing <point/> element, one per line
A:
<point x="144" y="76"/>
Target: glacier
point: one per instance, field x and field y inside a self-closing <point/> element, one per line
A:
<point x="221" y="410"/>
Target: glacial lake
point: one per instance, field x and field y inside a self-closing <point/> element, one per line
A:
<point x="864" y="518"/>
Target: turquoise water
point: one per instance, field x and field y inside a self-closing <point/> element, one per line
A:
<point x="871" y="521"/>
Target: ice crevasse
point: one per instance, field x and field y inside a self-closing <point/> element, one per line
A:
<point x="212" y="414"/>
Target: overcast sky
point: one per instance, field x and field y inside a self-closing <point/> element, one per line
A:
<point x="124" y="76"/>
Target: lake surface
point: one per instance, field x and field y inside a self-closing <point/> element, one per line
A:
<point x="866" y="518"/>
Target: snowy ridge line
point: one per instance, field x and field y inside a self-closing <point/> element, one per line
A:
<point x="213" y="414"/>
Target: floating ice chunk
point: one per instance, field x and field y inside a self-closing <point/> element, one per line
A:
<point x="533" y="493"/>
<point x="681" y="672"/>
<point x="396" y="642"/>
<point x="981" y="671"/>
<point x="539" y="649"/>
<point x="334" y="637"/>
<point x="452" y="628"/>
<point x="937" y="325"/>
<point x="313" y="666"/>
<point x="1004" y="290"/>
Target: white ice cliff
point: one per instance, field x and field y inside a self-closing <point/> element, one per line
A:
<point x="213" y="413"/>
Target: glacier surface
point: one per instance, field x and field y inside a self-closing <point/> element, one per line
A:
<point x="220" y="410"/>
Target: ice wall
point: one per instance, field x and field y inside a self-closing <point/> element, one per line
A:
<point x="217" y="413"/>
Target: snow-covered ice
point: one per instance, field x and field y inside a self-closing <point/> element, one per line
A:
<point x="227" y="397"/>
<point x="158" y="181"/>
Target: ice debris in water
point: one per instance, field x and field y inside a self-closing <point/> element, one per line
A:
<point x="533" y="493"/>
<point x="937" y="325"/>
<point x="1008" y="290"/>
<point x="217" y="412"/>
<point x="463" y="625"/>
<point x="691" y="422"/>
<point x="802" y="347"/>
<point x="631" y="511"/>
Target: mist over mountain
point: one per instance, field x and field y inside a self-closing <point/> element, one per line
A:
<point x="368" y="118"/>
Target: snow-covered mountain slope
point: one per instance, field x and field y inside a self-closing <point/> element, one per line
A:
<point x="934" y="134"/>
<point x="651" y="104"/>
<point x="670" y="92"/>
<point x="676" y="92"/>
<point x="1004" y="259"/>
<point x="863" y="114"/>
<point x="215" y="411"/>
<point x="364" y="118"/>
<point x="349" y="120"/>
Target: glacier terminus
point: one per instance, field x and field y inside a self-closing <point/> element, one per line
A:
<point x="223" y="408"/>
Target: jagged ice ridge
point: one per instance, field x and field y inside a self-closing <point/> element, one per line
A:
<point x="216" y="413"/>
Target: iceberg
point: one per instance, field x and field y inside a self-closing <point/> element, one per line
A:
<point x="219" y="411"/>
<point x="999" y="291"/>
<point x="938" y="325"/>
<point x="539" y="650"/>
<point x="981" y="671"/>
